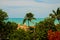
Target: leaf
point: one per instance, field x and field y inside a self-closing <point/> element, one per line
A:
<point x="54" y="12"/>
<point x="24" y="21"/>
<point x="34" y="18"/>
<point x="58" y="11"/>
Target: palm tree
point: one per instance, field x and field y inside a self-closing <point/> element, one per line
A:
<point x="56" y="14"/>
<point x="29" y="16"/>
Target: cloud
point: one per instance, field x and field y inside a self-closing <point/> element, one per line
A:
<point x="18" y="8"/>
<point x="25" y="3"/>
<point x="18" y="3"/>
<point x="48" y="1"/>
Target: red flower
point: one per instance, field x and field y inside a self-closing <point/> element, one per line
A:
<point x="53" y="35"/>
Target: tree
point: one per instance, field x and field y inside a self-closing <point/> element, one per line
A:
<point x="6" y="28"/>
<point x="56" y="14"/>
<point x="29" y="17"/>
<point x="3" y="15"/>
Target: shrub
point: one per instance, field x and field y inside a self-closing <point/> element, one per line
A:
<point x="57" y="27"/>
<point x="7" y="29"/>
<point x="43" y="27"/>
<point x="53" y="35"/>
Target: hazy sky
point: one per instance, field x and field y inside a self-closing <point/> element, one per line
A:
<point x="18" y="8"/>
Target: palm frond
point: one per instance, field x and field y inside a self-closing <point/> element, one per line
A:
<point x="58" y="11"/>
<point x="54" y="12"/>
<point x="50" y="14"/>
<point x="34" y="18"/>
<point x="24" y="21"/>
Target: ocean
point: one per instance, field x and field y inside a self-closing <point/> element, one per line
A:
<point x="20" y="21"/>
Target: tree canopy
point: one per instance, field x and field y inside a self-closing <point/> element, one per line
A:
<point x="29" y="16"/>
<point x="3" y="15"/>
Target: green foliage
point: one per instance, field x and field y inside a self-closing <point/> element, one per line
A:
<point x="56" y="14"/>
<point x="29" y="17"/>
<point x="42" y="28"/>
<point x="3" y="15"/>
<point x="19" y="35"/>
<point x="22" y="35"/>
<point x="7" y="29"/>
<point x="57" y="27"/>
<point x="11" y="27"/>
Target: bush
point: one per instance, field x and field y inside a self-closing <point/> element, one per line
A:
<point x="53" y="35"/>
<point x="57" y="27"/>
<point x="43" y="27"/>
<point x="22" y="35"/>
<point x="7" y="29"/>
<point x="19" y="35"/>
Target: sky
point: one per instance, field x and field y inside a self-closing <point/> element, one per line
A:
<point x="18" y="8"/>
